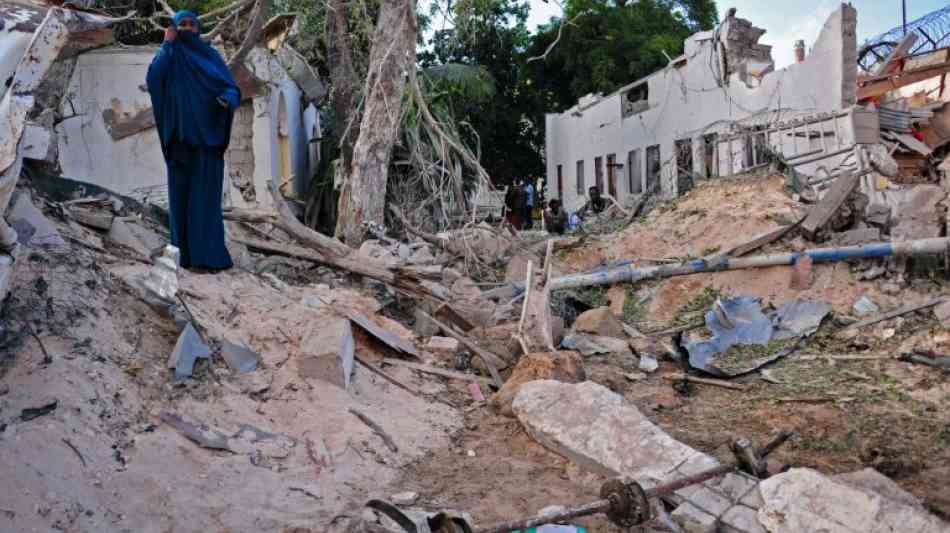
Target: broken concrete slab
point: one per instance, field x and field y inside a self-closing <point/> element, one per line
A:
<point x="694" y="520"/>
<point x="327" y="353"/>
<point x="856" y="237"/>
<point x="805" y="500"/>
<point x="741" y="519"/>
<point x="32" y="226"/>
<point x="422" y="325"/>
<point x="239" y="358"/>
<point x="563" y="366"/>
<point x="598" y="429"/>
<point x="162" y="278"/>
<point x="942" y="313"/>
<point x="600" y="321"/>
<point x="188" y="349"/>
<point x="871" y="480"/>
<point x="121" y="233"/>
<point x="442" y="345"/>
<point x="589" y="345"/>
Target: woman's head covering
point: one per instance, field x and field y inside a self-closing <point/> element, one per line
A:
<point x="185" y="14"/>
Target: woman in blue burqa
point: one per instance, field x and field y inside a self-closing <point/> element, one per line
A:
<point x="194" y="97"/>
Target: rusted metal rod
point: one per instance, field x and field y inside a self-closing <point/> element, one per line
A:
<point x="605" y="505"/>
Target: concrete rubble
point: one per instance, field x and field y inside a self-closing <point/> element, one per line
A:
<point x="428" y="370"/>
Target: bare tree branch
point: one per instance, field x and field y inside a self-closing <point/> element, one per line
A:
<point x="253" y="33"/>
<point x="560" y="31"/>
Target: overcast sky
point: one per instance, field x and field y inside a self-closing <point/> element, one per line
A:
<point x="786" y="21"/>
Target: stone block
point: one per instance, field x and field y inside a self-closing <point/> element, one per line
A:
<point x="741" y="519"/>
<point x="736" y="486"/>
<point x="442" y="345"/>
<point x="693" y="520"/>
<point x="589" y="345"/>
<point x="942" y="313"/>
<point x="710" y="500"/>
<point x="600" y="322"/>
<point x="326" y="353"/>
<point x="598" y="429"/>
<point x="564" y="366"/>
<point x="856" y="237"/>
<point x="805" y="500"/>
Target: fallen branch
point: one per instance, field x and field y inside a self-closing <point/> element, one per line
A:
<point x="378" y="429"/>
<point x="428" y="369"/>
<point x="379" y="372"/>
<point x="705" y="381"/>
<point x="492" y="361"/>
<point x="253" y="33"/>
<point x="896" y="313"/>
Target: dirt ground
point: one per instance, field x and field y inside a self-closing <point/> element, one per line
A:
<point x="104" y="459"/>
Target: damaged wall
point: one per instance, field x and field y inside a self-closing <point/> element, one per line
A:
<point x="108" y="138"/>
<point x="686" y="101"/>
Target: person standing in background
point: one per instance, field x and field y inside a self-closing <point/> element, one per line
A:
<point x="528" y="204"/>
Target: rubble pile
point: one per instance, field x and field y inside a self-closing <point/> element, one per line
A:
<point x="432" y="382"/>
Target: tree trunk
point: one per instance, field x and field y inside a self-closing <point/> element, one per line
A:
<point x="393" y="52"/>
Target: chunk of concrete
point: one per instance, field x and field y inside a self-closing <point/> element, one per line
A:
<point x="596" y="428"/>
<point x="162" y="278"/>
<point x="564" y="366"/>
<point x="856" y="237"/>
<point x="240" y="358"/>
<point x="694" y="520"/>
<point x="871" y="480"/>
<point x="741" y="519"/>
<point x="33" y="228"/>
<point x="589" y="345"/>
<point x="805" y="500"/>
<point x="617" y="296"/>
<point x="442" y="345"/>
<point x="423" y="326"/>
<point x="600" y="322"/>
<point x="942" y="313"/>
<point x="327" y="353"/>
<point x="121" y="233"/>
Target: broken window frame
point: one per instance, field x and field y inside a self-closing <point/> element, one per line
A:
<point x="581" y="188"/>
<point x="635" y="100"/>
<point x="634" y="171"/>
<point x="654" y="157"/>
<point x="599" y="172"/>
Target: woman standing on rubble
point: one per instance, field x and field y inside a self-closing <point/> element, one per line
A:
<point x="194" y="97"/>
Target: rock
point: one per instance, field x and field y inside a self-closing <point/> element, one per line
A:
<point x="942" y="313"/>
<point x="517" y="269"/>
<point x="918" y="215"/>
<point x="891" y="288"/>
<point x="871" y="480"/>
<point x="188" y="349"/>
<point x="31" y="225"/>
<point x="872" y="273"/>
<point x="443" y="346"/>
<point x="466" y="289"/>
<point x="404" y="499"/>
<point x="856" y="236"/>
<point x="557" y="329"/>
<point x="617" y="296"/>
<point x="374" y="249"/>
<point x="648" y="363"/>
<point x="121" y="233"/>
<point x="589" y="345"/>
<point x="326" y="353"/>
<point x="864" y="307"/>
<point x="563" y="366"/>
<point x="801" y="277"/>
<point x="805" y="500"/>
<point x="152" y="241"/>
<point x="240" y="358"/>
<point x="423" y="326"/>
<point x="421" y="255"/>
<point x="599" y="430"/>
<point x="601" y="322"/>
<point x="878" y="215"/>
<point x="499" y="340"/>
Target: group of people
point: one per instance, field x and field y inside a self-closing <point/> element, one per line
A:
<point x="519" y="204"/>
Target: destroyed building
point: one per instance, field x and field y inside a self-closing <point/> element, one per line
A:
<point x="743" y="355"/>
<point x="710" y="112"/>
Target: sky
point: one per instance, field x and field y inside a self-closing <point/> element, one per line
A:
<point x="786" y="21"/>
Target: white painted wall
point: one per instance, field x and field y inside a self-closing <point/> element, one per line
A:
<point x="14" y="38"/>
<point x="115" y="77"/>
<point x="686" y="102"/>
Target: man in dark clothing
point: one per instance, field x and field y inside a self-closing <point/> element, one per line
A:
<point x="555" y="219"/>
<point x="594" y="205"/>
<point x="194" y="98"/>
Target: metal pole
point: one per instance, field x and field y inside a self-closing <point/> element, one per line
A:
<point x="904" y="12"/>
<point x="629" y="273"/>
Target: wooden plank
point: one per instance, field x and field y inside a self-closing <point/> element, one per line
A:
<point x="896" y="313"/>
<point x="829" y="205"/>
<point x="492" y="361"/>
<point x="891" y="63"/>
<point x="382" y="334"/>
<point x="886" y="85"/>
<point x="451" y="374"/>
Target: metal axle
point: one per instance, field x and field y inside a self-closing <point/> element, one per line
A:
<point x="626" y="504"/>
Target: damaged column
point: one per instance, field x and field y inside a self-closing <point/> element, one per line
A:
<point x="49" y="39"/>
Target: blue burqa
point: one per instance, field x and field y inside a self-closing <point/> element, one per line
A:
<point x="193" y="98"/>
